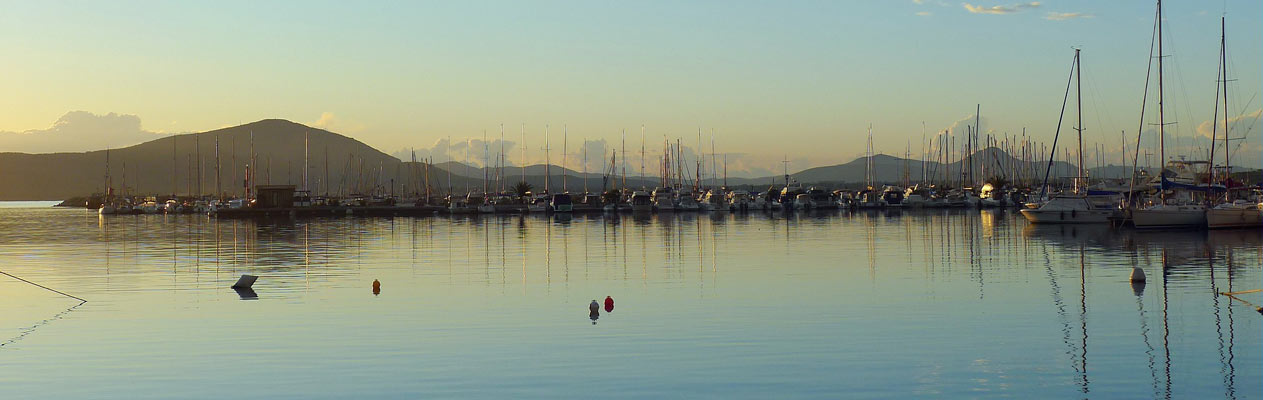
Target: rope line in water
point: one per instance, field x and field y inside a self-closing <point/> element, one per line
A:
<point x="45" y="287"/>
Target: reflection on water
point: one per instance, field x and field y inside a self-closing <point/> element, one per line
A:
<point x="934" y="303"/>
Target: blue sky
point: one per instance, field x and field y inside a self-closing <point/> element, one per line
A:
<point x="772" y="79"/>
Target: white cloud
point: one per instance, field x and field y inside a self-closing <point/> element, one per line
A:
<point x="1204" y="128"/>
<point x="78" y="131"/>
<point x="1056" y="16"/>
<point x="332" y="123"/>
<point x="999" y="10"/>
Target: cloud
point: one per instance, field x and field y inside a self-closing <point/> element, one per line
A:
<point x="1000" y="10"/>
<point x="1056" y="16"/>
<point x="333" y="123"/>
<point x="78" y="131"/>
<point x="1204" y="128"/>
<point x="924" y="13"/>
<point x="471" y="151"/>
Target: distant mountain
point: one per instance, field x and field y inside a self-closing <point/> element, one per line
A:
<point x="340" y="165"/>
<point x="170" y="164"/>
<point x="889" y="169"/>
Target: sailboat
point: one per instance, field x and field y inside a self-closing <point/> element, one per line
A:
<point x="1177" y="211"/>
<point x="1068" y="208"/>
<point x="1240" y="213"/>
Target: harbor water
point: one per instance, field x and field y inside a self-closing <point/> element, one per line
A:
<point x="878" y="304"/>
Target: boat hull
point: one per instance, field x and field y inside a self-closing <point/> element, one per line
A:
<point x="1038" y="216"/>
<point x="1233" y="218"/>
<point x="1169" y="218"/>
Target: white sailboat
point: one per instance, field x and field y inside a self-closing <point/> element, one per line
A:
<point x="1178" y="211"/>
<point x="1068" y="208"/>
<point x="1240" y="213"/>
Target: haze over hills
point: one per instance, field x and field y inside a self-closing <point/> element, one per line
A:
<point x="339" y="164"/>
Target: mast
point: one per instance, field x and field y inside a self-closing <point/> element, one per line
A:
<point x="624" y="149"/>
<point x="1162" y="155"/>
<point x="306" y="154"/>
<point x="523" y="152"/>
<point x="219" y="187"/>
<point x="714" y="166"/>
<point x="868" y="163"/>
<point x="1223" y="59"/>
<point x="548" y="163"/>
<point x="486" y="159"/>
<point x="585" y="166"/>
<point x="642" y="152"/>
<point x="173" y="167"/>
<point x="198" y="147"/>
<point x="1078" y="97"/>
<point x="565" y="137"/>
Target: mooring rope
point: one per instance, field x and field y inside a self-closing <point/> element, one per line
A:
<point x="45" y="287"/>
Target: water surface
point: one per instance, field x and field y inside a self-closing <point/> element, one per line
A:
<point x="859" y="305"/>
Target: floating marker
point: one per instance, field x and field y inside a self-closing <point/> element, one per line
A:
<point x="245" y="282"/>
<point x="377" y="287"/>
<point x="1137" y="274"/>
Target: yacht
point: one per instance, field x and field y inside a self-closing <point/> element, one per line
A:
<point x="892" y="196"/>
<point x="738" y="200"/>
<point x="457" y="205"/>
<point x="715" y="200"/>
<point x="819" y="199"/>
<point x="1237" y="214"/>
<point x="992" y="196"/>
<point x="1066" y="209"/>
<point x="869" y="198"/>
<point x="562" y="203"/>
<point x="664" y="199"/>
<point x="641" y="201"/>
<point x="538" y="202"/>
<point x="916" y="197"/>
<point x="685" y="201"/>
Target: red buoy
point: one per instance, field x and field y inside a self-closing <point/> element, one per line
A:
<point x="609" y="304"/>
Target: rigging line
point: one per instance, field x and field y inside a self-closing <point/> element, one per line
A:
<point x="45" y="287"/>
<point x="1131" y="186"/>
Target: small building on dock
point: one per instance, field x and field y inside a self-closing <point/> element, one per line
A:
<point x="274" y="196"/>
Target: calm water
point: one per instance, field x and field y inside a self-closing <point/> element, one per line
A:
<point x="879" y="305"/>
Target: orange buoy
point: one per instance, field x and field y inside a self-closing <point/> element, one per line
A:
<point x="377" y="287"/>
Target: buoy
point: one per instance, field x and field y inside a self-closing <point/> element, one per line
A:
<point x="377" y="287"/>
<point x="1137" y="274"/>
<point x="594" y="306"/>
<point x="609" y="304"/>
<point x="245" y="282"/>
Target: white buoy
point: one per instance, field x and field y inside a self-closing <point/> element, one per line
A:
<point x="1137" y="274"/>
<point x="245" y="282"/>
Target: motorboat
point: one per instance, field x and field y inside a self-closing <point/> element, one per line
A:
<point x="562" y="203"/>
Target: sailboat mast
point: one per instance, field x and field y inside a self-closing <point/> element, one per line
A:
<point x="548" y="162"/>
<point x="523" y="152"/>
<point x="642" y="152"/>
<point x="1223" y="59"/>
<point x="306" y="156"/>
<point x="1162" y="155"/>
<point x="1078" y="82"/>
<point x="219" y="188"/>
<point x="565" y="136"/>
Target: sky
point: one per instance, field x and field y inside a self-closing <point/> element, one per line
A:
<point x="768" y="80"/>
